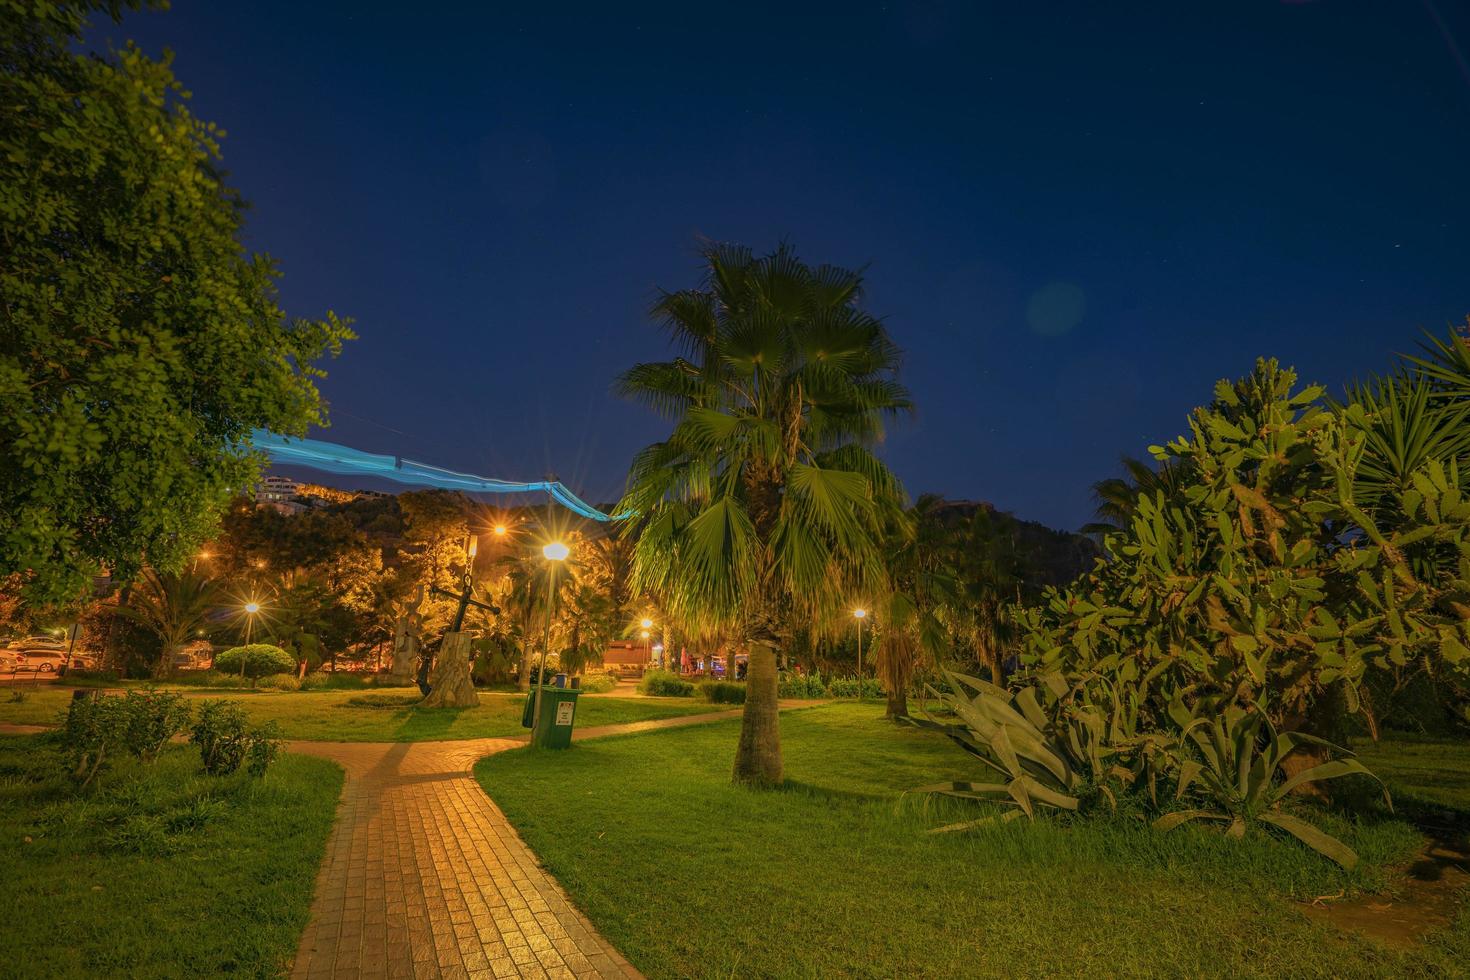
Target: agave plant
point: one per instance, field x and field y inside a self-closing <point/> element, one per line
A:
<point x="1240" y="753"/>
<point x="1050" y="757"/>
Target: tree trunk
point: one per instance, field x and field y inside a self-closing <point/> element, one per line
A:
<point x="898" y="705"/>
<point x="758" y="757"/>
<point x="1325" y="717"/>
<point x="524" y="681"/>
<point x="451" y="686"/>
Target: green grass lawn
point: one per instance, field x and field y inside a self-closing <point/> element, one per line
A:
<point x="834" y="875"/>
<point x="157" y="871"/>
<point x="328" y="715"/>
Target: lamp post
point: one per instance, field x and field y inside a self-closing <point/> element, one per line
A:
<point x="555" y="553"/>
<point x="252" y="608"/>
<point x="647" y="625"/>
<point x="860" y="615"/>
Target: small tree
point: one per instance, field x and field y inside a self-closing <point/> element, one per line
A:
<point x="255" y="661"/>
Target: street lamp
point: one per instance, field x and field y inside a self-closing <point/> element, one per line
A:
<point x="859" y="615"/>
<point x="554" y="552"/>
<point x="499" y="530"/>
<point x="647" y="625"/>
<point x="252" y="609"/>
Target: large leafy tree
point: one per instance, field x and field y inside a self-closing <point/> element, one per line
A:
<point x="139" y="341"/>
<point x="762" y="513"/>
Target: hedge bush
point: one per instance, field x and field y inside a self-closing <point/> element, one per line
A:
<point x="227" y="740"/>
<point x="797" y="686"/>
<point x="259" y="659"/>
<point x="281" y="682"/>
<point x="847" y="687"/>
<point x="723" y="692"/>
<point x="663" y="684"/>
<point x="597" y="683"/>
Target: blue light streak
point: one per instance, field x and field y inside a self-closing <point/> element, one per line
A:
<point x="332" y="458"/>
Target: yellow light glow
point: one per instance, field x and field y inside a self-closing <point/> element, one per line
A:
<point x="647" y="624"/>
<point x="860" y="613"/>
<point x="500" y="530"/>
<point x="252" y="607"/>
<point x="474" y="546"/>
<point x="205" y="556"/>
<point x="556" y="551"/>
<point x="645" y="634"/>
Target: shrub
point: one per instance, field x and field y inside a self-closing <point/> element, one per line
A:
<point x="280" y="682"/>
<point x="663" y="684"/>
<point x="153" y="717"/>
<point x="598" y="683"/>
<point x="209" y="678"/>
<point x="315" y="681"/>
<point x="95" y="729"/>
<point x="797" y="686"/>
<point x="847" y="687"/>
<point x="74" y="675"/>
<point x="723" y="692"/>
<point x="255" y="661"/>
<point x="226" y="740"/>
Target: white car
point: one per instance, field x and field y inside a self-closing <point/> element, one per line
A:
<point x="40" y="643"/>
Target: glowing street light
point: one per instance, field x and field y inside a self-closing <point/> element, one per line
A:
<point x="647" y="624"/>
<point x="500" y="530"/>
<point x="860" y="614"/>
<point x="556" y="551"/>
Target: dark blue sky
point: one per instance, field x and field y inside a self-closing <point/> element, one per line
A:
<point x="1075" y="217"/>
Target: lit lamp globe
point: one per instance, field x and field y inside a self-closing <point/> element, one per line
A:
<point x="252" y="607"/>
<point x="500" y="530"/>
<point x="556" y="551"/>
<point x="647" y="624"/>
<point x="860" y="613"/>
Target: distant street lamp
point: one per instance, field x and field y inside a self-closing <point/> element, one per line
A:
<point x="647" y="625"/>
<point x="500" y="530"/>
<point x="860" y="615"/>
<point x="554" y="552"/>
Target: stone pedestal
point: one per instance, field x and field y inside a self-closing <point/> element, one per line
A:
<point x="405" y="658"/>
<point x="450" y="685"/>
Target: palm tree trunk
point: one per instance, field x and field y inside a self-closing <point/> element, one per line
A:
<point x="524" y="682"/>
<point x="898" y="703"/>
<point x="758" y="757"/>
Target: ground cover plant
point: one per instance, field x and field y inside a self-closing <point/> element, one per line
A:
<point x="157" y="869"/>
<point x="331" y="715"/>
<point x="834" y="873"/>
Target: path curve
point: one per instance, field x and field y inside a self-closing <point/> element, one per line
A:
<point x="425" y="877"/>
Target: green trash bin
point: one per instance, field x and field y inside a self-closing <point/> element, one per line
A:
<point x="558" y="712"/>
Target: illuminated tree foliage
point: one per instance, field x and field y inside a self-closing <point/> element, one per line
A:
<point x="139" y="341"/>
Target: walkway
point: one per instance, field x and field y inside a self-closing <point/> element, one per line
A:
<point x="424" y="876"/>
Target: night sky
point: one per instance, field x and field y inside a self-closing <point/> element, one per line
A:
<point x="1075" y="217"/>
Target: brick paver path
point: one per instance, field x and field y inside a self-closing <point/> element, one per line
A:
<point x="424" y="876"/>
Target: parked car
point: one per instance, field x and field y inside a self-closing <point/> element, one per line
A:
<point x="40" y="643"/>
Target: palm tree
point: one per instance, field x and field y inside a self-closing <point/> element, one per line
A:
<point x="175" y="606"/>
<point x="921" y="588"/>
<point x="992" y="569"/>
<point x="1117" y="497"/>
<point x="763" y="510"/>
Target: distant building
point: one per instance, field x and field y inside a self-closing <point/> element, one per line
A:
<point x="627" y="657"/>
<point x="279" y="493"/>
